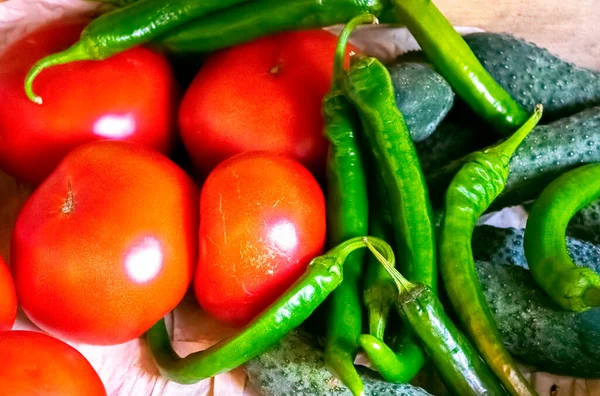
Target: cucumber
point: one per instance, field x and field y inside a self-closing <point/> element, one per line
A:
<point x="422" y="96"/>
<point x="586" y="223"/>
<point x="296" y="367"/>
<point x="548" y="151"/>
<point x="532" y="75"/>
<point x="453" y="139"/>
<point x="535" y="330"/>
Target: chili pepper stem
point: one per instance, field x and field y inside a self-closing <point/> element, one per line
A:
<point x="404" y="286"/>
<point x="76" y="52"/>
<point x="340" y="50"/>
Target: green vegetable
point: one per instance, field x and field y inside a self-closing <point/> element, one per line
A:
<point x="453" y="59"/>
<point x="454" y="138"/>
<point x="422" y="96"/>
<point x="369" y="87"/>
<point x="457" y="362"/>
<point x="586" y="223"/>
<point x="479" y="181"/>
<point x="259" y="18"/>
<point x="571" y="287"/>
<point x="124" y="28"/>
<point x="548" y="151"/>
<point x="296" y="367"/>
<point x="347" y="217"/>
<point x="535" y="330"/>
<point x="322" y="276"/>
<point x="532" y="75"/>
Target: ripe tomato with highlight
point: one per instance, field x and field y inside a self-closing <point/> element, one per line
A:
<point x="129" y="96"/>
<point x="106" y="246"/>
<point x="263" y="95"/>
<point x="262" y="219"/>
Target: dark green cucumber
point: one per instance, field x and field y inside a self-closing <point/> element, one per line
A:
<point x="454" y="138"/>
<point x="532" y="75"/>
<point x="535" y="330"/>
<point x="549" y="151"/>
<point x="422" y="96"/>
<point x="296" y="367"/>
<point x="586" y="223"/>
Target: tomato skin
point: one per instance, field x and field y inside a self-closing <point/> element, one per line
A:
<point x="263" y="95"/>
<point x="262" y="221"/>
<point x="106" y="246"/>
<point x="8" y="298"/>
<point x="36" y="364"/>
<point x="130" y="96"/>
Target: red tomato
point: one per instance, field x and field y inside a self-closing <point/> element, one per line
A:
<point x="263" y="95"/>
<point x="129" y="96"/>
<point x="106" y="246"/>
<point x="8" y="298"/>
<point x="37" y="364"/>
<point x="262" y="221"/>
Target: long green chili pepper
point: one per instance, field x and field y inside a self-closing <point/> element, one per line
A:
<point x="457" y="362"/>
<point x="573" y="288"/>
<point x="124" y="28"/>
<point x="471" y="192"/>
<point x="347" y="217"/>
<point x="379" y="287"/>
<point x="322" y="276"/>
<point x="259" y="18"/>
<point x="455" y="61"/>
<point x="369" y="87"/>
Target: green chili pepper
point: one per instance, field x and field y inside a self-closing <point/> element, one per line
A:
<point x="259" y="18"/>
<point x="573" y="288"/>
<point x="264" y="17"/>
<point x="347" y="217"/>
<point x="457" y="362"/>
<point x="369" y="87"/>
<point x="379" y="288"/>
<point x="124" y="28"/>
<point x="455" y="61"/>
<point x="322" y="276"/>
<point x="471" y="192"/>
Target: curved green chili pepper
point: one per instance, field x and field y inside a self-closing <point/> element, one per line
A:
<point x="471" y="192"/>
<point x="369" y="87"/>
<point x="322" y="276"/>
<point x="455" y="61"/>
<point x="347" y="217"/>
<point x="124" y="28"/>
<point x="573" y="288"/>
<point x="457" y="362"/>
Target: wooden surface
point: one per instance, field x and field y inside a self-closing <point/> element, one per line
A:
<point x="569" y="28"/>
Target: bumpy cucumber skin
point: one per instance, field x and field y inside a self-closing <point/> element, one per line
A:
<point x="296" y="367"/>
<point x="535" y="330"/>
<point x="532" y="75"/>
<point x="549" y="151"/>
<point x="422" y="96"/>
<point x="452" y="140"/>
<point x="586" y="224"/>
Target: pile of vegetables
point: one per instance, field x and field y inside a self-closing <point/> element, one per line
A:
<point x="307" y="191"/>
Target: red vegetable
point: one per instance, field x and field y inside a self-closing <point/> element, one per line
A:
<point x="128" y="97"/>
<point x="8" y="298"/>
<point x="263" y="95"/>
<point x="37" y="364"/>
<point x="262" y="221"/>
<point x="107" y="244"/>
